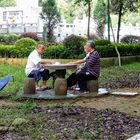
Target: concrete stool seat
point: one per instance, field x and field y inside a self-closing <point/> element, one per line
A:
<point x="29" y="86"/>
<point x="60" y="86"/>
<point x="92" y="86"/>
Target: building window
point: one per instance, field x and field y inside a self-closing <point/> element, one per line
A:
<point x="13" y="13"/>
<point x="61" y="25"/>
<point x="4" y="16"/>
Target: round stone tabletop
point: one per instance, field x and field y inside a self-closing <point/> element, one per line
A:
<point x="60" y="66"/>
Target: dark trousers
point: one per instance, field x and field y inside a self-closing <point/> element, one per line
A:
<point x="82" y="77"/>
<point x="38" y="74"/>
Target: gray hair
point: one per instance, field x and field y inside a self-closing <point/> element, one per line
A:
<point x="91" y="44"/>
<point x="40" y="44"/>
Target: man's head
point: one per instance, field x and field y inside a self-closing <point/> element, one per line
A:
<point x="40" y="47"/>
<point x="90" y="46"/>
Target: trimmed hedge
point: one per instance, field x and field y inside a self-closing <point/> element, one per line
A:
<point x="10" y="51"/>
<point x="55" y="52"/>
<point x="101" y="42"/>
<point x="124" y="50"/>
<point x="59" y="51"/>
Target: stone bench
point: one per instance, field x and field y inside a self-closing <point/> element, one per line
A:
<point x="92" y="86"/>
<point x="60" y="86"/>
<point x="29" y="86"/>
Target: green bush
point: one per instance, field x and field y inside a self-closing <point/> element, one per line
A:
<point x="106" y="51"/>
<point x="25" y="43"/>
<point x="74" y="45"/>
<point x="2" y="38"/>
<point x="101" y="42"/>
<point x="8" y="38"/>
<point x="5" y="50"/>
<point x="55" y="52"/>
<point x="124" y="50"/>
<point x="10" y="51"/>
<point x="59" y="51"/>
<point x="12" y="38"/>
<point x="128" y="49"/>
<point x="31" y="35"/>
<point x="130" y="39"/>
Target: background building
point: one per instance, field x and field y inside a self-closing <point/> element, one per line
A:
<point x="25" y="17"/>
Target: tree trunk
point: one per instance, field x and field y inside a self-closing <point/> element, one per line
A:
<point x="89" y="15"/>
<point x="117" y="51"/>
<point x="108" y="18"/>
<point x="44" y="33"/>
<point x="119" y="22"/>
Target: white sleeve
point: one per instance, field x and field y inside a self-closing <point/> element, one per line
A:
<point x="36" y="59"/>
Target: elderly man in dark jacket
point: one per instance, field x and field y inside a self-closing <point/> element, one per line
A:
<point x="90" y="69"/>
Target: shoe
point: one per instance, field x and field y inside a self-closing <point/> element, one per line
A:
<point x="77" y="89"/>
<point x="44" y="88"/>
<point x="38" y="89"/>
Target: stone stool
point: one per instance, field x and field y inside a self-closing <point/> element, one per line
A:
<point x="29" y="86"/>
<point x="92" y="86"/>
<point x="60" y="86"/>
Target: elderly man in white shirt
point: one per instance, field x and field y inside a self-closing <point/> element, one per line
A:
<point x="34" y="67"/>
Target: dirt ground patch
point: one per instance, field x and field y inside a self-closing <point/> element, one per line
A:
<point x="7" y="103"/>
<point x="127" y="104"/>
<point x="77" y="122"/>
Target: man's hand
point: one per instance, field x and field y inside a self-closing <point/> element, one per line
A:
<point x="46" y="62"/>
<point x="78" y="70"/>
<point x="50" y="62"/>
<point x="71" y="63"/>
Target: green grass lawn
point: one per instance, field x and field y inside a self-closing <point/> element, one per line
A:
<point x="19" y="75"/>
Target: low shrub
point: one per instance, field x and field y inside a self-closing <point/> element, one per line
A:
<point x="31" y="35"/>
<point x="55" y="52"/>
<point x="128" y="49"/>
<point x="74" y="45"/>
<point x="10" y="51"/>
<point x="59" y="51"/>
<point x="25" y="43"/>
<point x="2" y="38"/>
<point x="124" y="50"/>
<point x="106" y="51"/>
<point x="101" y="42"/>
<point x="12" y="38"/>
<point x="8" y="38"/>
<point x="5" y="51"/>
<point x="130" y="39"/>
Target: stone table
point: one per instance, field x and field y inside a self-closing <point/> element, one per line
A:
<point x="60" y="84"/>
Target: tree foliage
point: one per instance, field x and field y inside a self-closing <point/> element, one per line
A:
<point x="87" y="3"/>
<point x="51" y="18"/>
<point x="121" y="7"/>
<point x="100" y="16"/>
<point x="7" y="3"/>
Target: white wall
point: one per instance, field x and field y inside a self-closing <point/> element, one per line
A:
<point x="24" y="4"/>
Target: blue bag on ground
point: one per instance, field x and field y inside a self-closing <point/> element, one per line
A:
<point x="4" y="81"/>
